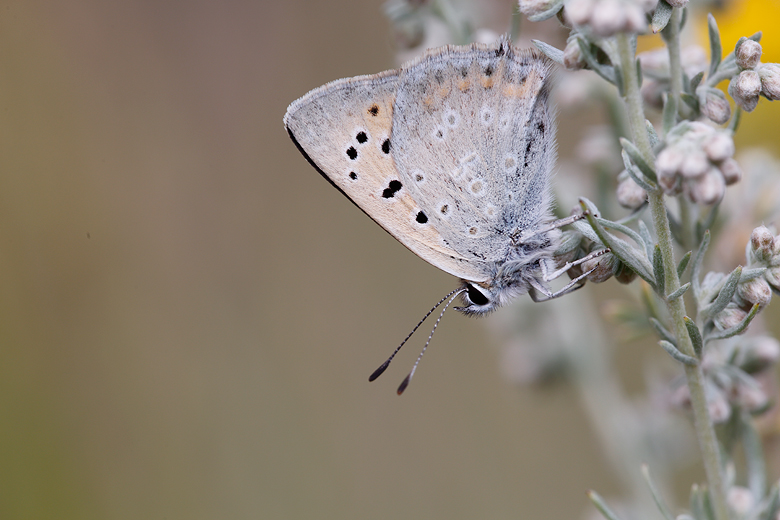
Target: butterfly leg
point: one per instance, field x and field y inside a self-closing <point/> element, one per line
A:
<point x="569" y="265"/>
<point x="548" y="295"/>
<point x="573" y="285"/>
<point x="553" y="225"/>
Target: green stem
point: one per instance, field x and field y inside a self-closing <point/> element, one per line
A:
<point x="701" y="419"/>
<point x="636" y="114"/>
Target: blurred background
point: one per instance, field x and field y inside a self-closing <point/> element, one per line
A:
<point x="189" y="313"/>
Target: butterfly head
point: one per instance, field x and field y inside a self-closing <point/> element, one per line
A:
<point x="483" y="298"/>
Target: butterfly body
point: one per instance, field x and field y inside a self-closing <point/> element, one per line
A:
<point x="451" y="154"/>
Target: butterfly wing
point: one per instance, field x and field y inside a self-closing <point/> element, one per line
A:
<point x="473" y="141"/>
<point x="344" y="129"/>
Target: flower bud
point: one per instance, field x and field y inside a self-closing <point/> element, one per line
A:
<point x="739" y="498"/>
<point x="602" y="266"/>
<point x="761" y="244"/>
<point x="750" y="396"/>
<point x="719" y="408"/>
<point x="572" y="56"/>
<point x="608" y="17"/>
<point x="669" y="160"/>
<point x="755" y="291"/>
<point x="709" y="188"/>
<point x="630" y="194"/>
<point x="731" y="171"/>
<point x="624" y="274"/>
<point x="719" y="147"/>
<point x="748" y="54"/>
<point x="712" y="281"/>
<point x="729" y="317"/>
<point x="578" y="11"/>
<point x="695" y="164"/>
<point x="772" y="276"/>
<point x="532" y="8"/>
<point x="758" y="354"/>
<point x="770" y="80"/>
<point x="716" y="107"/>
<point x="744" y="89"/>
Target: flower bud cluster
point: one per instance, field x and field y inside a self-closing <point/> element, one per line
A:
<point x="763" y="250"/>
<point x="609" y="17"/>
<point x="762" y="253"/>
<point x="656" y="71"/>
<point x="755" y="78"/>
<point x="735" y="373"/>
<point x="697" y="160"/>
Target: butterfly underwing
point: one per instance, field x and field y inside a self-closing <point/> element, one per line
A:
<point x="452" y="154"/>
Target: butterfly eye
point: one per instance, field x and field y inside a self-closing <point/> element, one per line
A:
<point x="476" y="296"/>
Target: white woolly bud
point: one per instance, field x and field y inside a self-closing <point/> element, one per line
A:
<point x="748" y="54"/>
<point x="744" y="89"/>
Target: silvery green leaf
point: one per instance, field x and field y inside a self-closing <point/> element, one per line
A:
<point x="647" y="237"/>
<point x="751" y="274"/>
<point x="602" y="506"/>
<point x="548" y="50"/>
<point x="662" y="507"/>
<point x="658" y="270"/>
<point x="694" y="334"/>
<point x="725" y="294"/>
<point x="549" y="13"/>
<point x="605" y="71"/>
<point x="677" y="355"/>
<point x="654" y="140"/>
<point x="716" y="51"/>
<point x="637" y="158"/>
<point x="695" y="81"/>
<point x="636" y="175"/>
<point x="679" y="292"/>
<point x="633" y="235"/>
<point x="683" y="264"/>
<point x="663" y="332"/>
<point x="661" y="16"/>
<point x="690" y="100"/>
<point x="622" y="250"/>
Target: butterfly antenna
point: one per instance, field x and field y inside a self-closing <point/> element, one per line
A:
<point x="408" y="378"/>
<point x="383" y="366"/>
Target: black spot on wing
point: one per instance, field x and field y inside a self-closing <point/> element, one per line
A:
<point x="392" y="188"/>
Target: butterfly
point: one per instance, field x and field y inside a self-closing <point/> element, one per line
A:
<point x="452" y="154"/>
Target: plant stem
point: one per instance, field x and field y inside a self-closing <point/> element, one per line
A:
<point x="694" y="375"/>
<point x="672" y="39"/>
<point x="636" y="115"/>
<point x="705" y="433"/>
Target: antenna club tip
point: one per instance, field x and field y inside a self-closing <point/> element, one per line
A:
<point x="404" y="384"/>
<point x="378" y="372"/>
